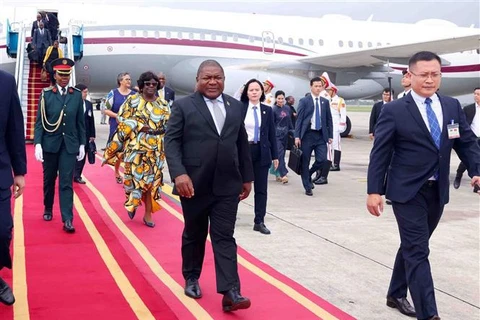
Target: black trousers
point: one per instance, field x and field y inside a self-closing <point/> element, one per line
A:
<point x="79" y="166"/>
<point x="260" y="184"/>
<point x="6" y="226"/>
<point x="416" y="219"/>
<point x="462" y="167"/>
<point x="222" y="214"/>
<point x="312" y="141"/>
<point x="63" y="163"/>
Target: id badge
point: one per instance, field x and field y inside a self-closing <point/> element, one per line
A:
<point x="453" y="131"/>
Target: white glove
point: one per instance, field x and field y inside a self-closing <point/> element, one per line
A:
<point x="38" y="152"/>
<point x="81" y="152"/>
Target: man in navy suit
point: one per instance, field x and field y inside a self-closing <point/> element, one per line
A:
<point x="420" y="131"/>
<point x="165" y="92"/>
<point x="377" y="108"/>
<point x="313" y="130"/>
<point x="41" y="41"/>
<point x="12" y="159"/>
<point x="89" y="129"/>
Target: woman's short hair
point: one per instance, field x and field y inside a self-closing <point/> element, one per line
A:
<point x="244" y="97"/>
<point x="121" y="76"/>
<point x="147" y="76"/>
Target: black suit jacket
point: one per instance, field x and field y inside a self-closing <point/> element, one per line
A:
<point x="217" y="164"/>
<point x="377" y="108"/>
<point x="169" y="94"/>
<point x="12" y="135"/>
<point x="89" y="120"/>
<point x="39" y="39"/>
<point x="401" y="130"/>
<point x="35" y="26"/>
<point x="305" y="114"/>
<point x="268" y="142"/>
<point x="470" y="113"/>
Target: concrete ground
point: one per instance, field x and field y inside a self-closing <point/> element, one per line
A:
<point x="330" y="244"/>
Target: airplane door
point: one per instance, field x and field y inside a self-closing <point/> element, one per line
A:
<point x="268" y="42"/>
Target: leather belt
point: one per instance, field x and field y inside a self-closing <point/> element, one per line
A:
<point x="151" y="131"/>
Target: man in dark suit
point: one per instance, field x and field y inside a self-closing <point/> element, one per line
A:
<point x="165" y="92"/>
<point x="209" y="161"/>
<point x="313" y="130"/>
<point x="472" y="113"/>
<point x="377" y="108"/>
<point x="418" y="128"/>
<point x="12" y="159"/>
<point x="59" y="138"/>
<point x="36" y="24"/>
<point x="41" y="41"/>
<point x="89" y="130"/>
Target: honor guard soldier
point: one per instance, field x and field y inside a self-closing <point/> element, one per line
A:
<point x="326" y="84"/>
<point x="269" y="98"/>
<point x="60" y="140"/>
<point x="339" y="118"/>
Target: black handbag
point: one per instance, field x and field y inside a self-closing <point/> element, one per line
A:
<point x="290" y="139"/>
<point x="295" y="160"/>
<point x="91" y="151"/>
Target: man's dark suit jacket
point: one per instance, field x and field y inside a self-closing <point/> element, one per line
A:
<point x="377" y="108"/>
<point x="89" y="120"/>
<point x="305" y="114"/>
<point x="38" y="39"/>
<point x="35" y="26"/>
<point x="401" y="129"/>
<point x="268" y="142"/>
<point x="12" y="135"/>
<point x="470" y="113"/>
<point x="217" y="164"/>
<point x="169" y="94"/>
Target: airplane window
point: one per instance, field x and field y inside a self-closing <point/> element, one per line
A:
<point x="191" y="36"/>
<point x="350" y="44"/>
<point x="214" y="36"/>
<point x="134" y="33"/>
<point x="300" y="41"/>
<point x="168" y="35"/>
<point x="145" y="33"/>
<point x="179" y="36"/>
<point x="320" y="42"/>
<point x="310" y="42"/>
<point x="121" y="33"/>
<point x="290" y="40"/>
<point x="157" y="34"/>
<point x="280" y="40"/>
<point x="360" y="44"/>
<point x="202" y="36"/>
<point x="340" y="43"/>
<point x="369" y="44"/>
<point x="224" y="37"/>
<point x="235" y="37"/>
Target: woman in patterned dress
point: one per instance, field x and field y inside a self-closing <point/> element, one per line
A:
<point x="139" y="136"/>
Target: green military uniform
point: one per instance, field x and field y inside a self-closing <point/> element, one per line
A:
<point x="60" y="130"/>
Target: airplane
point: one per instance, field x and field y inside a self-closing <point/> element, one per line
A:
<point x="359" y="56"/>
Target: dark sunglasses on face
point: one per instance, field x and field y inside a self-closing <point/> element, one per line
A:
<point x="150" y="84"/>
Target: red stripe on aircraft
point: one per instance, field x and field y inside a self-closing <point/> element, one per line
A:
<point x="451" y="69"/>
<point x="186" y="42"/>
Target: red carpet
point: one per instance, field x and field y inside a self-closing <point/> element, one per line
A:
<point x="69" y="276"/>
<point x="35" y="86"/>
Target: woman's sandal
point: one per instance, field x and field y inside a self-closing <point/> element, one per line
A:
<point x="119" y="179"/>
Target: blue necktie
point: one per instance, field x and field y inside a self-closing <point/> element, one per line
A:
<point x="434" y="127"/>
<point x="257" y="126"/>
<point x="318" y="123"/>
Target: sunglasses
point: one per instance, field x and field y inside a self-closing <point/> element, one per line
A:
<point x="150" y="84"/>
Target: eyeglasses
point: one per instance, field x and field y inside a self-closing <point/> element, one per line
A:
<point x="127" y="79"/>
<point x="425" y="76"/>
<point x="150" y="84"/>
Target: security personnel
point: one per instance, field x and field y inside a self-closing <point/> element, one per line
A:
<point x="60" y="140"/>
<point x="339" y="118"/>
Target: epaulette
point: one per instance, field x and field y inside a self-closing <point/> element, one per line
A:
<point x="48" y="88"/>
<point x="76" y="89"/>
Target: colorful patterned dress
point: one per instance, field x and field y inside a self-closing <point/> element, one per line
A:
<point x="143" y="152"/>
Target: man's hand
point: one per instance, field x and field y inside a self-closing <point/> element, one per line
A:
<point x="375" y="204"/>
<point x="371" y="136"/>
<point x="247" y="187"/>
<point x="476" y="183"/>
<point x="38" y="152"/>
<point x="330" y="141"/>
<point x="275" y="164"/>
<point x="81" y="152"/>
<point x="184" y="186"/>
<point x="18" y="186"/>
<point x="298" y="143"/>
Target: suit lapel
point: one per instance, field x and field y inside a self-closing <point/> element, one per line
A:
<point x="263" y="115"/>
<point x="201" y="106"/>
<point x="228" y="113"/>
<point x="413" y="109"/>
<point x="446" y="119"/>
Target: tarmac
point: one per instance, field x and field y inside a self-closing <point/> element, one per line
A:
<point x="330" y="244"/>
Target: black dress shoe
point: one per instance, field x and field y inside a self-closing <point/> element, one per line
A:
<point x="233" y="300"/>
<point x="79" y="180"/>
<point x="334" y="168"/>
<point x="389" y="202"/>
<point x="309" y="192"/>
<point x="318" y="173"/>
<point x="434" y="318"/>
<point x="131" y="215"/>
<point x="192" y="289"/>
<point x="68" y="226"/>
<point x="261" y="227"/>
<point x="6" y="294"/>
<point x="47" y="215"/>
<point x="456" y="182"/>
<point x="321" y="180"/>
<point x="402" y="305"/>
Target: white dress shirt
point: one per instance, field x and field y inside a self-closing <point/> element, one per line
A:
<point x="475" y="126"/>
<point x="436" y="106"/>
<point x="250" y="121"/>
<point x="402" y="94"/>
<point x="210" y="108"/>
<point x="312" y="126"/>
